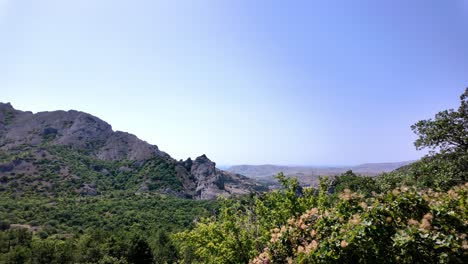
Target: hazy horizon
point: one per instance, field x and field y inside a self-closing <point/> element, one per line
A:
<point x="244" y="82"/>
<point x="312" y="165"/>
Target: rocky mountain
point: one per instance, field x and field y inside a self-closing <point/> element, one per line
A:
<point x="308" y="175"/>
<point x="74" y="152"/>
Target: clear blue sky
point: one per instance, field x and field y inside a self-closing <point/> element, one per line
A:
<point x="246" y="82"/>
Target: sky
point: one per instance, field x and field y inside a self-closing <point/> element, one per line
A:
<point x="244" y="82"/>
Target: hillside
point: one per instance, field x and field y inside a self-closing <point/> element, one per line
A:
<point x="72" y="152"/>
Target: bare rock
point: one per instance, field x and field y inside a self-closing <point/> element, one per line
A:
<point x="71" y="128"/>
<point x="88" y="190"/>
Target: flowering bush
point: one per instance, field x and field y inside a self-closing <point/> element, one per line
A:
<point x="241" y="229"/>
<point x="405" y="225"/>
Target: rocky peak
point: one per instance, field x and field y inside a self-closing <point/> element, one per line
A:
<point x="187" y="164"/>
<point x="203" y="167"/>
<point x="77" y="128"/>
<point x="7" y="115"/>
<point x="6" y="112"/>
<point x="6" y="106"/>
<point x="122" y="145"/>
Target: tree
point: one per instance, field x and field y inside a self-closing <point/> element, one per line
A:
<point x="140" y="251"/>
<point x="349" y="180"/>
<point x="228" y="238"/>
<point x="164" y="250"/>
<point x="448" y="131"/>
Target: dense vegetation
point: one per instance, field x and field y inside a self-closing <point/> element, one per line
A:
<point x="94" y="229"/>
<point x="401" y="226"/>
<point x="50" y="163"/>
<point x="416" y="214"/>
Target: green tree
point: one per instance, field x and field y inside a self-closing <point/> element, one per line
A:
<point x="164" y="250"/>
<point x="448" y="131"/>
<point x="228" y="238"/>
<point x="447" y="164"/>
<point x="140" y="252"/>
<point x="276" y="207"/>
<point x="349" y="180"/>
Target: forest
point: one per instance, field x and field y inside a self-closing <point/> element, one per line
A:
<point x="415" y="214"/>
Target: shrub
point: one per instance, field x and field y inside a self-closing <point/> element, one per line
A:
<point x="401" y="226"/>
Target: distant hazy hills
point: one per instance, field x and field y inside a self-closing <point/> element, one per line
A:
<point x="309" y="175"/>
<point x="72" y="152"/>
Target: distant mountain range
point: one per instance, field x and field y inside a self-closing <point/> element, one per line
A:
<point x="308" y="175"/>
<point x="72" y="152"/>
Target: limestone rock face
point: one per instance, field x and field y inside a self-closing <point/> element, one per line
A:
<point x="122" y="145"/>
<point x="212" y="182"/>
<point x="207" y="177"/>
<point x="203" y="167"/>
<point x="72" y="128"/>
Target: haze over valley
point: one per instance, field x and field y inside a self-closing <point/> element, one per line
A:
<point x="308" y="175"/>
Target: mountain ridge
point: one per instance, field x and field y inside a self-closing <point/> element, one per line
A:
<point x="88" y="154"/>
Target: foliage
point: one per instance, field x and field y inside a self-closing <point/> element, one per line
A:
<point x="114" y="212"/>
<point x="402" y="226"/>
<point x="405" y="225"/>
<point x="437" y="171"/>
<point x="164" y="250"/>
<point x="242" y="228"/>
<point x="161" y="173"/>
<point x="95" y="246"/>
<point x="64" y="171"/>
<point x="104" y="229"/>
<point x="448" y="131"/>
<point x="276" y="207"/>
<point x="361" y="184"/>
<point x="228" y="238"/>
